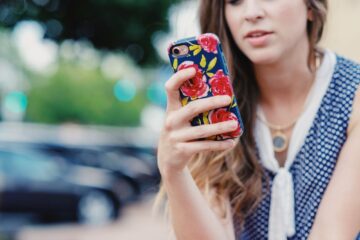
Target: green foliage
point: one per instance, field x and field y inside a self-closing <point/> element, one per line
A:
<point x="75" y="94"/>
<point x="112" y="24"/>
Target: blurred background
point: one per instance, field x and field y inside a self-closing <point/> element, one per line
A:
<point x="81" y="106"/>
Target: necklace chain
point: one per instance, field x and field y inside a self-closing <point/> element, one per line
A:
<point x="278" y="127"/>
<point x="279" y="139"/>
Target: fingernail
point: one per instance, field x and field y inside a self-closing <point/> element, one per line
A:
<point x="193" y="70"/>
<point x="226" y="99"/>
<point x="234" y="124"/>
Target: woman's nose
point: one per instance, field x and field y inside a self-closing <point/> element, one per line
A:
<point x="253" y="10"/>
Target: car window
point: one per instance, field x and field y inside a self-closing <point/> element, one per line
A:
<point x="28" y="165"/>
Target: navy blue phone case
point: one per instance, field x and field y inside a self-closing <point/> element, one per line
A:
<point x="211" y="78"/>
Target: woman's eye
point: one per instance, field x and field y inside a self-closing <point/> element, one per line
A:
<point x="234" y="2"/>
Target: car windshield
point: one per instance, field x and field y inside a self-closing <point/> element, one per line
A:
<point x="28" y="165"/>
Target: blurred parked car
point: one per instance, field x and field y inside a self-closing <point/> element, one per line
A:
<point x="128" y="186"/>
<point x="51" y="188"/>
<point x="148" y="175"/>
<point x="133" y="165"/>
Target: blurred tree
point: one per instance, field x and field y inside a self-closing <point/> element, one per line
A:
<point x="112" y="24"/>
<point x="80" y="95"/>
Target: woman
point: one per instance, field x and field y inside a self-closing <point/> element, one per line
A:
<point x="294" y="172"/>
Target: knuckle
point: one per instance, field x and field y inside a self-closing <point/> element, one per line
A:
<point x="168" y="85"/>
<point x="172" y="137"/>
<point x="208" y="147"/>
<point x="216" y="146"/>
<point x="212" y="102"/>
<point x="193" y="108"/>
<point x="202" y="132"/>
<point x="226" y="145"/>
<point x="179" y="147"/>
<point x="171" y="82"/>
<point x="168" y="124"/>
<point x="223" y="144"/>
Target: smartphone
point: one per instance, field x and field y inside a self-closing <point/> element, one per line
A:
<point x="204" y="53"/>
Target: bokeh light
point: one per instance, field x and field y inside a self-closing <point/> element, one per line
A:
<point x="37" y="53"/>
<point x="15" y="102"/>
<point x="125" y="90"/>
<point x="156" y="93"/>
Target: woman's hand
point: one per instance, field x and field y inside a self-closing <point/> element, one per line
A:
<point x="178" y="140"/>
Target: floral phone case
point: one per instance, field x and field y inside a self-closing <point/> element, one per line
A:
<point x="211" y="78"/>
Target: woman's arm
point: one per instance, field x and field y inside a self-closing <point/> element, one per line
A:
<point x="338" y="216"/>
<point x="191" y="214"/>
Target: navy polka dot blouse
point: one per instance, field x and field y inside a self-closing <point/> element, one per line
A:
<point x="315" y="162"/>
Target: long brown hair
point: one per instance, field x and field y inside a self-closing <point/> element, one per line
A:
<point x="237" y="174"/>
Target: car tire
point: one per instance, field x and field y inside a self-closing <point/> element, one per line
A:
<point x="126" y="189"/>
<point x="97" y="208"/>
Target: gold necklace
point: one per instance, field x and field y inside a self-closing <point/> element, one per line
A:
<point x="279" y="140"/>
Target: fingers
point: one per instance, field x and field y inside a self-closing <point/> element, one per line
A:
<point x="194" y="108"/>
<point x="173" y="85"/>
<point x="203" y="131"/>
<point x="201" y="146"/>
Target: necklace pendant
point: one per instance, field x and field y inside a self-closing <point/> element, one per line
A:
<point x="280" y="141"/>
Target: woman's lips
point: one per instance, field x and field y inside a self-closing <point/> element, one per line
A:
<point x="258" y="38"/>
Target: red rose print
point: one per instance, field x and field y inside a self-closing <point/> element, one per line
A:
<point x="220" y="84"/>
<point x="208" y="42"/>
<point x="195" y="87"/>
<point x="221" y="115"/>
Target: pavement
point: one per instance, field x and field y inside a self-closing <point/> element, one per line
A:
<point x="137" y="222"/>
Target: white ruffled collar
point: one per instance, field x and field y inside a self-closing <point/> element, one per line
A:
<point x="282" y="212"/>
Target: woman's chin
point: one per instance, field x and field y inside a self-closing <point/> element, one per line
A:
<point x="263" y="59"/>
<point x="263" y="56"/>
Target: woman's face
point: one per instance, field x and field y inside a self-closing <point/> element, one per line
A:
<point x="268" y="30"/>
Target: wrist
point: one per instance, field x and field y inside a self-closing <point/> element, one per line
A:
<point x="170" y="174"/>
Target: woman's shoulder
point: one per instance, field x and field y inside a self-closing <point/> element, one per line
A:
<point x="355" y="114"/>
<point x="347" y="74"/>
<point x="348" y="65"/>
<point x="351" y="70"/>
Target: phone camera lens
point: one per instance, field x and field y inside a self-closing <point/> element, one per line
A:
<point x="176" y="51"/>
